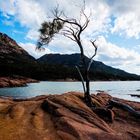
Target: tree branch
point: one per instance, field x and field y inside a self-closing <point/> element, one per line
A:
<point x="69" y="36"/>
<point x="95" y="52"/>
<point x="86" y="21"/>
<point x="82" y="79"/>
<point x="95" y="47"/>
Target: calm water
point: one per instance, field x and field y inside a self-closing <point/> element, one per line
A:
<point x="121" y="89"/>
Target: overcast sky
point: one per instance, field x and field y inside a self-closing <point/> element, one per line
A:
<point x="115" y="24"/>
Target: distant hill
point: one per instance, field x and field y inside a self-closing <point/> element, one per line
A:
<point x="99" y="71"/>
<point x="14" y="60"/>
<point x="11" y="51"/>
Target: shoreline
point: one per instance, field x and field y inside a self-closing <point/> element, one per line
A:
<point x="20" y="81"/>
<point x="74" y="80"/>
<point x="15" y="81"/>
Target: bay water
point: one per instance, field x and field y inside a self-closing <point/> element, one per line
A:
<point x="120" y="89"/>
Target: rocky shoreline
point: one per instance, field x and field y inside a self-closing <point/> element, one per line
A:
<point x="66" y="117"/>
<point x="15" y="81"/>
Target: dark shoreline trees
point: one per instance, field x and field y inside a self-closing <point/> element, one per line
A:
<point x="73" y="29"/>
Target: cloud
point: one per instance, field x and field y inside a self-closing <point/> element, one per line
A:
<point x="31" y="49"/>
<point x="128" y="24"/>
<point x="31" y="13"/>
<point x="27" y="12"/>
<point x="127" y="17"/>
<point x="63" y="45"/>
<point x="100" y="19"/>
<point x="117" y="56"/>
<point x="7" y="7"/>
<point x="33" y="34"/>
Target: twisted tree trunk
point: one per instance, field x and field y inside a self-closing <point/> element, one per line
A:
<point x="87" y="96"/>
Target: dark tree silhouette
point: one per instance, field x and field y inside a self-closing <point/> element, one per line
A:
<point x="73" y="29"/>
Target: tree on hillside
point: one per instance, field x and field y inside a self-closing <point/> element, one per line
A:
<point x="73" y="29"/>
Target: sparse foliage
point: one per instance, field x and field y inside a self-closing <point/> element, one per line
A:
<point x="71" y="28"/>
<point x="48" y="30"/>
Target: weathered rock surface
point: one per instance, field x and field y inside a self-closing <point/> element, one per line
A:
<point x="15" y="81"/>
<point x="64" y="117"/>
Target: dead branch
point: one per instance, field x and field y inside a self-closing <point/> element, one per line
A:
<point x="82" y="79"/>
<point x="113" y="103"/>
<point x="95" y="52"/>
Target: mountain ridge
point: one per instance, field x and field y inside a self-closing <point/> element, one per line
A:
<point x="71" y="60"/>
<point x="10" y="46"/>
<point x="14" y="60"/>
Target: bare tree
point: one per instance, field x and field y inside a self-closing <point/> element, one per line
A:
<point x="73" y="29"/>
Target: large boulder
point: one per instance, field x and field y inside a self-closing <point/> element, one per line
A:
<point x="65" y="117"/>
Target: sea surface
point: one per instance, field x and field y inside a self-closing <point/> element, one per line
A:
<point x="120" y="89"/>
